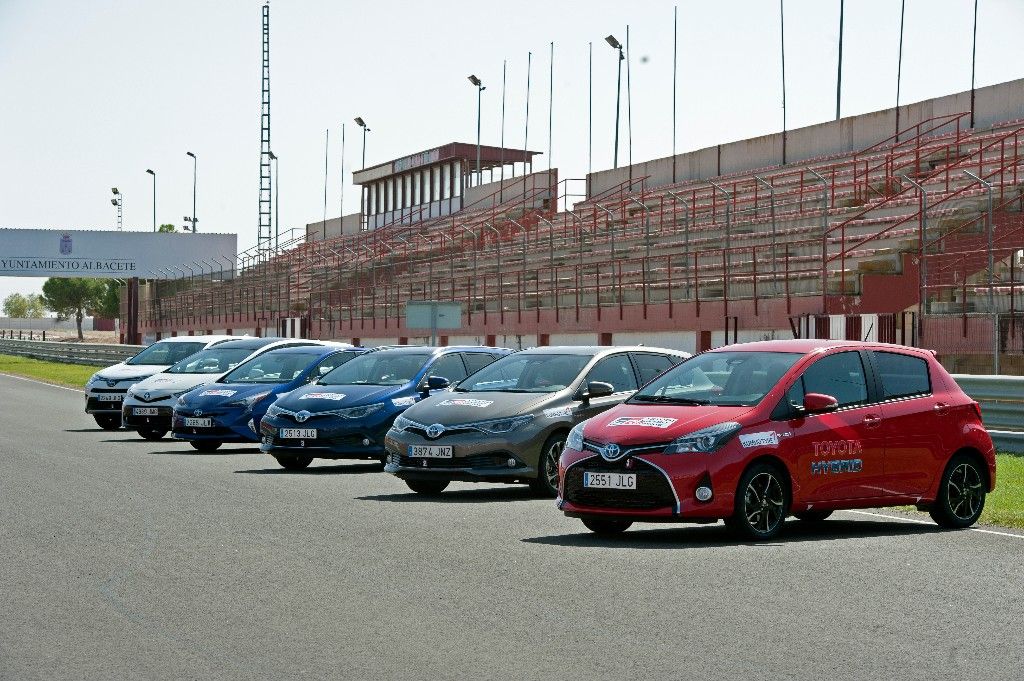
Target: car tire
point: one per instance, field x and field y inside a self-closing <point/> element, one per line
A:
<point x="812" y="516"/>
<point x="546" y="482"/>
<point x="293" y="462"/>
<point x="762" y="503"/>
<point x="961" y="496"/>
<point x="606" y="527"/>
<point x="427" y="487"/>
<point x="108" y="421"/>
<point x="205" y="445"/>
<point x="152" y="434"/>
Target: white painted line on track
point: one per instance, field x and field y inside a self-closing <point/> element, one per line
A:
<point x="32" y="380"/>
<point x="926" y="522"/>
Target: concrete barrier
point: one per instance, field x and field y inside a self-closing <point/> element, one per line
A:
<point x="90" y="354"/>
<point x="1002" y="407"/>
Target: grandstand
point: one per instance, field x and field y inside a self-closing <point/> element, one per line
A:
<point x="866" y="235"/>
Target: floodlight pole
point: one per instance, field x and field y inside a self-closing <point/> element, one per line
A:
<point x="195" y="175"/>
<point x="480" y="87"/>
<point x="618" y="94"/>
<point x="153" y="173"/>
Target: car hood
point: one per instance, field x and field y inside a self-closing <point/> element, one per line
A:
<point x="466" y="407"/>
<point x="214" y="394"/>
<point x="636" y="424"/>
<point x="119" y="372"/>
<point x="317" y="398"/>
<point x="172" y="383"/>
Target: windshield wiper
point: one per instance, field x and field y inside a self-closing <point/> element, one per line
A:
<point x="669" y="400"/>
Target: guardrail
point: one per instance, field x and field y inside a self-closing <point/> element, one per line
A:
<point x="91" y="354"/>
<point x="1002" y="407"/>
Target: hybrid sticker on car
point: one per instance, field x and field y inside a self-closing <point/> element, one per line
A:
<point x="465" y="402"/>
<point x="218" y="393"/>
<point x="838" y="448"/>
<point x="649" y="421"/>
<point x="768" y="437"/>
<point x="323" y="396"/>
<point x="558" y="412"/>
<point x="403" y="401"/>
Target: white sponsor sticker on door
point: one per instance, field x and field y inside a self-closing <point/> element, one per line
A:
<point x="558" y="412"/>
<point x="218" y="393"/>
<point x="648" y="421"/>
<point x="465" y="402"/>
<point x="768" y="437"/>
<point x="323" y="396"/>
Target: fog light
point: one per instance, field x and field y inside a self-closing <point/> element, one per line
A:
<point x="366" y="442"/>
<point x="512" y="463"/>
<point x="703" y="493"/>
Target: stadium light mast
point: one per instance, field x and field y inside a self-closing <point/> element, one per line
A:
<point x="151" y="172"/>
<point x="362" y="124"/>
<point x="616" y="45"/>
<point x="480" y="87"/>
<point x="195" y="171"/>
<point x="118" y="202"/>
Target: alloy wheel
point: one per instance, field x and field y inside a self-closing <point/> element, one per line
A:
<point x="965" y="491"/>
<point x="764" y="502"/>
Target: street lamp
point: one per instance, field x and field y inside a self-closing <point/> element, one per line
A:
<point x="362" y="124"/>
<point x="154" y="196"/>
<point x="195" y="168"/>
<point x="277" y="194"/>
<point x="616" y="45"/>
<point x="479" y="84"/>
<point x="117" y="201"/>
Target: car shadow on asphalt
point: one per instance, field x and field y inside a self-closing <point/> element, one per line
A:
<point x="190" y="451"/>
<point x="344" y="469"/>
<point x="88" y="430"/>
<point x="717" y="535"/>
<point x="462" y="496"/>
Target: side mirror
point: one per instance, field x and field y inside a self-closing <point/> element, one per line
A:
<point x="436" y="383"/>
<point x="595" y="389"/>
<point x="816" y="403"/>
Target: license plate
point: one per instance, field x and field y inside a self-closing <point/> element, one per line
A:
<point x="198" y="423"/>
<point x="109" y="397"/>
<point x="430" y="452"/>
<point x="144" y="411"/>
<point x="610" y="480"/>
<point x="299" y="433"/>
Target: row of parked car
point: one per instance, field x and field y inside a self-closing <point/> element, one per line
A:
<point x="749" y="433"/>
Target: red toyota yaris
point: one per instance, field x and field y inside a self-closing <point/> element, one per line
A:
<point x="753" y="433"/>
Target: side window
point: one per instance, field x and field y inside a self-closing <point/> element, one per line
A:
<point x="328" y="364"/>
<point x="840" y="375"/>
<point x="475" y="361"/>
<point x="614" y="369"/>
<point x="449" y="366"/>
<point x="902" y="375"/>
<point x="650" y="365"/>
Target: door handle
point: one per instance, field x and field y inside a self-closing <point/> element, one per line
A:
<point x="941" y="408"/>
<point x="872" y="421"/>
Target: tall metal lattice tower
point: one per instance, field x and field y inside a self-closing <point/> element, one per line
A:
<point x="265" y="237"/>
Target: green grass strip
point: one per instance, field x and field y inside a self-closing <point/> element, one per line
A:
<point x="69" y="375"/>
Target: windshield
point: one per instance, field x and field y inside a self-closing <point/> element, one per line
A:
<point x="273" y="367"/>
<point x="523" y="373"/>
<point x="719" y="378"/>
<point x="165" y="354"/>
<point x="213" y="361"/>
<point x="378" y="368"/>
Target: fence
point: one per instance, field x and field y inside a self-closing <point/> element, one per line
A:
<point x="1002" y="407"/>
<point x="92" y="354"/>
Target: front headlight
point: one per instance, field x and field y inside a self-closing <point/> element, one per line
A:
<point x="575" y="439"/>
<point x="274" y="410"/>
<point x="501" y="426"/>
<point x="356" y="412"/>
<point x="401" y="423"/>
<point x="181" y="401"/>
<point x="704" y="440"/>
<point x="247" y="402"/>
<point x="93" y="378"/>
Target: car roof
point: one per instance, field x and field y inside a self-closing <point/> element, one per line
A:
<point x="434" y="350"/>
<point x="595" y="350"/>
<point x="196" y="339"/>
<point x="316" y="350"/>
<point x="248" y="343"/>
<point x="807" y="345"/>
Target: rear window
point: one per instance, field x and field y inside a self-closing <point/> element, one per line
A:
<point x="166" y="353"/>
<point x="902" y="375"/>
<point x="650" y="365"/>
<point x="475" y="361"/>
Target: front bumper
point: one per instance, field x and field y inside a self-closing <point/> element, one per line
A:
<point x="333" y="440"/>
<point x="476" y="456"/>
<point x="96" y="404"/>
<point x="159" y="421"/>
<point x="226" y="426"/>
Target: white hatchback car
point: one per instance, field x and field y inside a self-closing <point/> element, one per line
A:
<point x="149" y="405"/>
<point x="105" y="390"/>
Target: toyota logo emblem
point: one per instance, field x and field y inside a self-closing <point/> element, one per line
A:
<point x="199" y="412"/>
<point x="145" y="396"/>
<point x="111" y="382"/>
<point x="302" y="416"/>
<point x="435" y="431"/>
<point x="611" y="452"/>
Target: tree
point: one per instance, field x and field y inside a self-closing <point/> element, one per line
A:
<point x="73" y="297"/>
<point x="110" y="306"/>
<point x="36" y="306"/>
<point x="24" y="306"/>
<point x="166" y="228"/>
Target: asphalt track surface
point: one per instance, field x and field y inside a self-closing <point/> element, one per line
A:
<point x="128" y="559"/>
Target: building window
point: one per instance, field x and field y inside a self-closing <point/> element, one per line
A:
<point x="457" y="168"/>
<point x="399" y="194"/>
<point x="446" y="181"/>
<point x="416" y="200"/>
<point x="390" y="189"/>
<point x="435" y="184"/>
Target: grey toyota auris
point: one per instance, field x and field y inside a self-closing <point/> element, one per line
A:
<point x="508" y="422"/>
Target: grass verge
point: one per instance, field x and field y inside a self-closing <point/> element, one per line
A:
<point x="69" y="375"/>
<point x="1005" y="506"/>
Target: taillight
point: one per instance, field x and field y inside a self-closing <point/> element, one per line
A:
<point x="977" y="409"/>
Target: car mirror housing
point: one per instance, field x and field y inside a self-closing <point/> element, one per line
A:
<point x="816" y="403"/>
<point x="435" y="383"/>
<point x="595" y="389"/>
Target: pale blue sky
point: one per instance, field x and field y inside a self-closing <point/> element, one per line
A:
<point x="93" y="93"/>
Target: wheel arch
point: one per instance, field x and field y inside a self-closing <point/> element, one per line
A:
<point x="775" y="461"/>
<point x="974" y="454"/>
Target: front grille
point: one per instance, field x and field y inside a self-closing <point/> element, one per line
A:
<point x="94" y="403"/>
<point x="421" y="430"/>
<point x="473" y="461"/>
<point x="652" y="488"/>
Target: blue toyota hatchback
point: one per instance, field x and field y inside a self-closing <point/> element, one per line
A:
<point x="345" y="414"/>
<point x="230" y="409"/>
